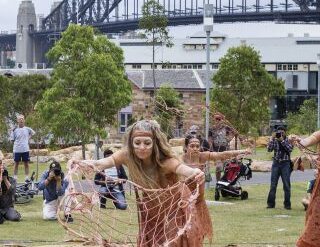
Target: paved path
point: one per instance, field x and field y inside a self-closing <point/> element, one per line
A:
<point x="264" y="177"/>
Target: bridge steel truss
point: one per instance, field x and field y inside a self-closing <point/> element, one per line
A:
<point x="123" y="15"/>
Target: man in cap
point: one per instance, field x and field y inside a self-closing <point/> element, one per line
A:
<point x="53" y="184"/>
<point x="281" y="166"/>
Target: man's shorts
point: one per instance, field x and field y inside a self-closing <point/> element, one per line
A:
<point x="21" y="157"/>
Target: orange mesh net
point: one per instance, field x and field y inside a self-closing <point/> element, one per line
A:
<point x="154" y="217"/>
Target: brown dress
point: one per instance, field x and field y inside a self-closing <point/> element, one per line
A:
<point x="169" y="216"/>
<point x="311" y="233"/>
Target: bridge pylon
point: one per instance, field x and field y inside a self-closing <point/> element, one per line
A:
<point x="26" y="24"/>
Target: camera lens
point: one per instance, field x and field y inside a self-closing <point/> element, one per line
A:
<point x="57" y="172"/>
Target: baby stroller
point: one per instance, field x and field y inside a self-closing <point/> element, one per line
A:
<point x="229" y="184"/>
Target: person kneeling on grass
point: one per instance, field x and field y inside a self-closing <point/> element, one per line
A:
<point x="7" y="189"/>
<point x="53" y="184"/>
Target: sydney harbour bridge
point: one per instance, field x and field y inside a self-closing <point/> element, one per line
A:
<point x="114" y="16"/>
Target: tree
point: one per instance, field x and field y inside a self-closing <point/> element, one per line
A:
<point x="25" y="91"/>
<point x="90" y="85"/>
<point x="154" y="23"/>
<point x="242" y="88"/>
<point x="4" y="102"/>
<point x="167" y="106"/>
<point x="305" y="120"/>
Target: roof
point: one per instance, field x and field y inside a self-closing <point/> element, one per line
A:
<point x="180" y="79"/>
<point x="272" y="50"/>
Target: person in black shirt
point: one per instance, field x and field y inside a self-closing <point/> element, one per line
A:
<point x="7" y="191"/>
<point x="110" y="187"/>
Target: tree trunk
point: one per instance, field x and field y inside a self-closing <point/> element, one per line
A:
<point x="83" y="150"/>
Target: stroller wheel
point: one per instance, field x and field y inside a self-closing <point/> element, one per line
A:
<point x="216" y="195"/>
<point x="224" y="193"/>
<point x="244" y="195"/>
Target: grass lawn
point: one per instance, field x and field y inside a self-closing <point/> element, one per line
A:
<point x="243" y="223"/>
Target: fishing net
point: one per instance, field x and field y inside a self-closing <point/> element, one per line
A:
<point x="154" y="217"/>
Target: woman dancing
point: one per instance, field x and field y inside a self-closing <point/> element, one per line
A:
<point x="152" y="165"/>
<point x="196" y="159"/>
<point x="311" y="233"/>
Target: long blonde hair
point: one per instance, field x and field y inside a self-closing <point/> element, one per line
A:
<point x="161" y="151"/>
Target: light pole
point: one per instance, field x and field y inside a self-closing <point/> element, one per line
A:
<point x="208" y="27"/>
<point x="318" y="63"/>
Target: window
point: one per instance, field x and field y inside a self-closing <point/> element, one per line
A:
<point x="289" y="67"/>
<point x="136" y="66"/>
<point x="295" y="81"/>
<point x="125" y="119"/>
<point x="215" y="66"/>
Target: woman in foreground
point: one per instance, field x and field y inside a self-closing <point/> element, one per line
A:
<point x="153" y="166"/>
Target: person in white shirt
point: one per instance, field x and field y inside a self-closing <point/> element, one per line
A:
<point x="20" y="137"/>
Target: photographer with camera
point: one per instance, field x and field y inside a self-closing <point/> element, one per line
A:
<point x="53" y="184"/>
<point x="110" y="186"/>
<point x="281" y="166"/>
<point x="7" y="189"/>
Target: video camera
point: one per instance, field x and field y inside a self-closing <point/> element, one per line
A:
<point x="279" y="134"/>
<point x="5" y="173"/>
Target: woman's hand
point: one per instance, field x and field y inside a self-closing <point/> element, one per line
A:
<point x="198" y="176"/>
<point x="84" y="166"/>
<point x="294" y="138"/>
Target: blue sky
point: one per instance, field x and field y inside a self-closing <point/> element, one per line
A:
<point x="9" y="10"/>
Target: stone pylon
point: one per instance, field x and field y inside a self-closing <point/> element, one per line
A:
<point x="26" y="24"/>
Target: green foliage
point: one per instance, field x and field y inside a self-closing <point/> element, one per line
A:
<point x="4" y="103"/>
<point x="89" y="88"/>
<point x="167" y="102"/>
<point x="20" y="95"/>
<point x="305" y="120"/>
<point x="243" y="88"/>
<point x="154" y="23"/>
<point x="24" y="93"/>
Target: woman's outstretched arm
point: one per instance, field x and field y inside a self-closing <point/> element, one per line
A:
<point x="212" y="156"/>
<point x="116" y="159"/>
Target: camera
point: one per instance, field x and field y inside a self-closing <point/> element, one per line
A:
<point x="57" y="171"/>
<point x="278" y="134"/>
<point x="5" y="173"/>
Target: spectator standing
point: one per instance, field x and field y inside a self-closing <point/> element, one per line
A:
<point x="53" y="184"/>
<point x="281" y="167"/>
<point x="220" y="136"/>
<point x="20" y="137"/>
<point x="110" y="187"/>
<point x="7" y="191"/>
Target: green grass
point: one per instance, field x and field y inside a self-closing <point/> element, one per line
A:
<point x="244" y="223"/>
